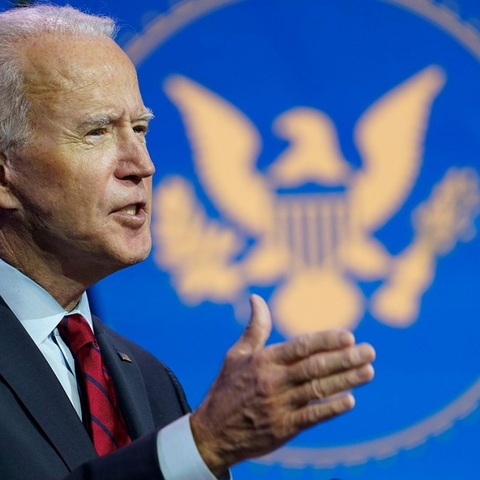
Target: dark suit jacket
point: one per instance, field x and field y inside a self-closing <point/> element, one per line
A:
<point x="41" y="435"/>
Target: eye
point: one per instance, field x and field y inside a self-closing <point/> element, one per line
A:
<point x="97" y="132"/>
<point x="142" y="129"/>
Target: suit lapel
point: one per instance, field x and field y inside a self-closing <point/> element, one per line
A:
<point x="28" y="374"/>
<point x="128" y="381"/>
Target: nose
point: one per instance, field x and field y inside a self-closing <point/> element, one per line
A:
<point x="134" y="160"/>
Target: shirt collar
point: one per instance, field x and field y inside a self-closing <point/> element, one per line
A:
<point x="41" y="313"/>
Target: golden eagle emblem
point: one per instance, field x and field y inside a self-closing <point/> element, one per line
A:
<point x="313" y="247"/>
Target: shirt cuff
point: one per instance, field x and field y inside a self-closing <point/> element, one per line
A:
<point x="178" y="454"/>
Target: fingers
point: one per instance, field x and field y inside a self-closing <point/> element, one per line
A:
<point x="315" y="413"/>
<point x="310" y="344"/>
<point x="323" y="388"/>
<point x="327" y="363"/>
<point x="258" y="329"/>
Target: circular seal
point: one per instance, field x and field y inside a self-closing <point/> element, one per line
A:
<point x="325" y="155"/>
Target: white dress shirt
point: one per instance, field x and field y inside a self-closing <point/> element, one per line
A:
<point x="40" y="315"/>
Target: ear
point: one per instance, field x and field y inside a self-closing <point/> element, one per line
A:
<point x="8" y="200"/>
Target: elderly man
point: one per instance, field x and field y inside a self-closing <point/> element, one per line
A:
<point x="76" y="399"/>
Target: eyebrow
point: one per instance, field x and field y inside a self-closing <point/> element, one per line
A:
<point x="105" y="119"/>
<point x="146" y="116"/>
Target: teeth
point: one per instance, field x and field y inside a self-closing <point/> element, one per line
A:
<point x="130" y="210"/>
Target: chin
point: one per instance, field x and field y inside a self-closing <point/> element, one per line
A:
<point x="125" y="254"/>
<point x="132" y="257"/>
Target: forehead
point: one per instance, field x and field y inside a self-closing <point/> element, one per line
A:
<point x="75" y="74"/>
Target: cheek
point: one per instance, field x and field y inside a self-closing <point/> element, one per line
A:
<point x="35" y="192"/>
<point x="36" y="171"/>
<point x="45" y="192"/>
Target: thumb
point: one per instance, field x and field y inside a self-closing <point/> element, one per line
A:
<point x="258" y="329"/>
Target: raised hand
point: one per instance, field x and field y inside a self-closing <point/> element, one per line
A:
<point x="264" y="396"/>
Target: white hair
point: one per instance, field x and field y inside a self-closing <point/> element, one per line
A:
<point x="21" y="24"/>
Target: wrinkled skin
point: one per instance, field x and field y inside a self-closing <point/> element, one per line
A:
<point x="264" y="396"/>
<point x="75" y="202"/>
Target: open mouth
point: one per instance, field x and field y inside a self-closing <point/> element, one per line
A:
<point x="132" y="209"/>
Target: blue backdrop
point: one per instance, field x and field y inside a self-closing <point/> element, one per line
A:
<point x="325" y="155"/>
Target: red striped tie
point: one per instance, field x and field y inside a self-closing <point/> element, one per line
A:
<point x="107" y="424"/>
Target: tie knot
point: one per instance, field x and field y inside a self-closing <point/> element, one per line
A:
<point x="75" y="332"/>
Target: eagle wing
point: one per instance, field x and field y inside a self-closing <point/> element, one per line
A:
<point x="390" y="137"/>
<point x="225" y="146"/>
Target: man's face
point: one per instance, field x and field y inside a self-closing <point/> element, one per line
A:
<point x="83" y="186"/>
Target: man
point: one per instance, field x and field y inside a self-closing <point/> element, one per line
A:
<point x="75" y="201"/>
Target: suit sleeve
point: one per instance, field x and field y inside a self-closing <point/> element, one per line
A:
<point x="137" y="461"/>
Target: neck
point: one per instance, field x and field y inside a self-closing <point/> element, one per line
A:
<point x="48" y="271"/>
